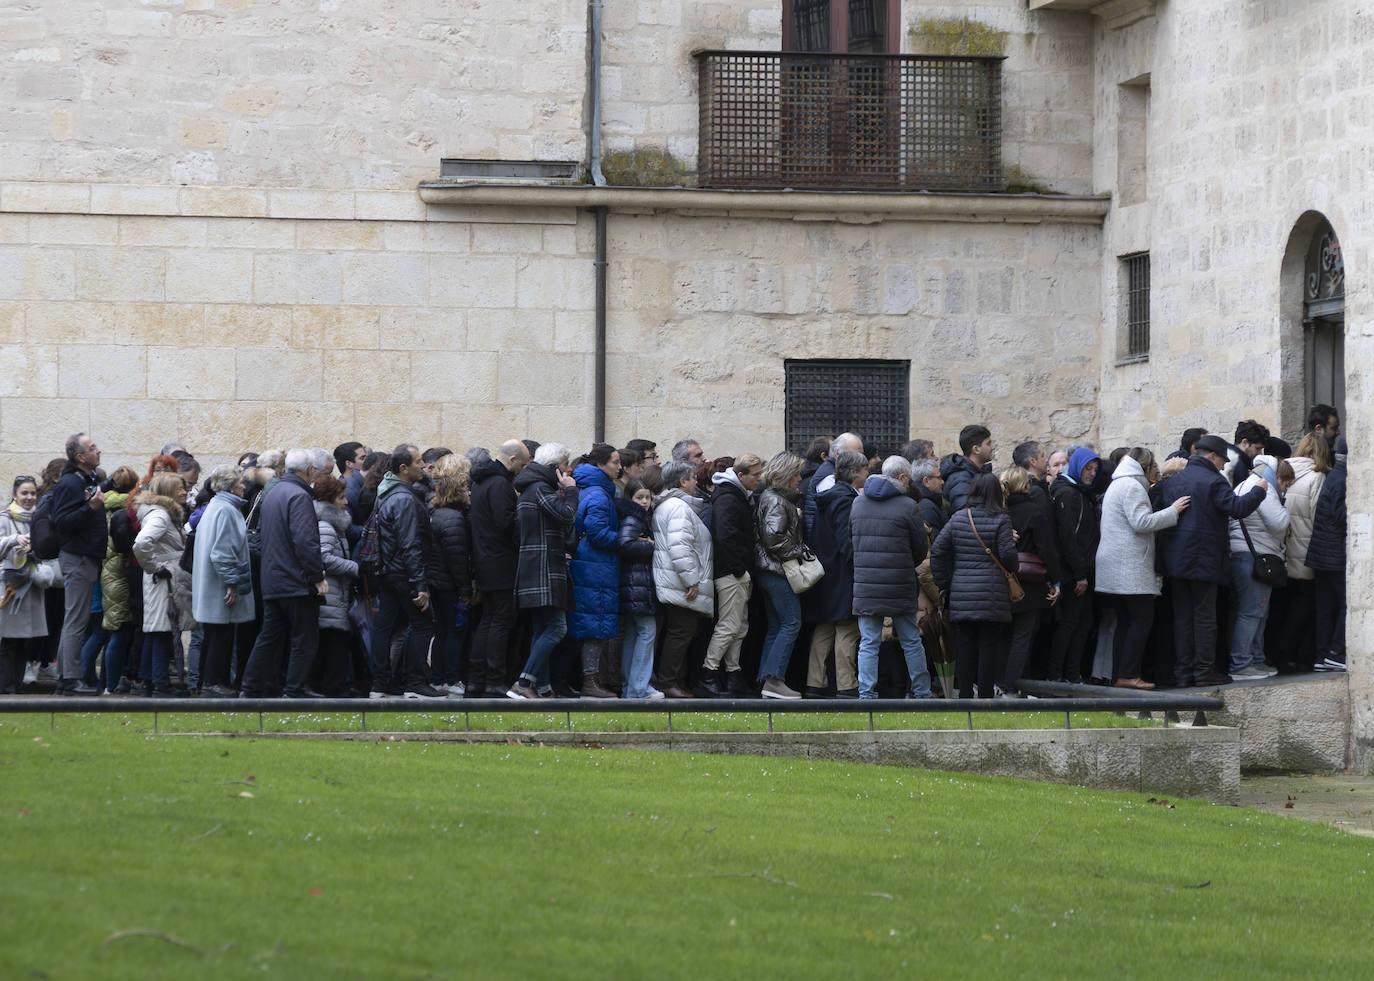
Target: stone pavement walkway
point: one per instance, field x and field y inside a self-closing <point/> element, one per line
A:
<point x="1342" y="800"/>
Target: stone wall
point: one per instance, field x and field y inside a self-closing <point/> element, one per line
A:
<point x="465" y="326"/>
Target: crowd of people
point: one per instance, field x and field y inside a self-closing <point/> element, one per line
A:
<point x="530" y="571"/>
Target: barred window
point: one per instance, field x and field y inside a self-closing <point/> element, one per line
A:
<point x="1136" y="282"/>
<point x="826" y="398"/>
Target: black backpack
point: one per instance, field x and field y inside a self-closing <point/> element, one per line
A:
<point x="42" y="535"/>
<point x="124" y="529"/>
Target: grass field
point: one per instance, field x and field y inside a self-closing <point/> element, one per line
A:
<point x="128" y="855"/>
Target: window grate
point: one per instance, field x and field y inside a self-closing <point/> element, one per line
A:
<point x="826" y="398"/>
<point x="1137" y="269"/>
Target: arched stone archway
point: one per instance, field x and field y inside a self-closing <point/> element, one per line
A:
<point x="1312" y="321"/>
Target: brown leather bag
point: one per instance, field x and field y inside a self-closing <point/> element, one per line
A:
<point x="1014" y="589"/>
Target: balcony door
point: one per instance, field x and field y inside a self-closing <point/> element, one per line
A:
<point x="841" y="113"/>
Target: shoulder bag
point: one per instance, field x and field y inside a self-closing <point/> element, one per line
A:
<point x="1014" y="589"/>
<point x="1269" y="569"/>
<point x="803" y="572"/>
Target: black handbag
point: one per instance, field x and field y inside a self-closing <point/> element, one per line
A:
<point x="1269" y="569"/>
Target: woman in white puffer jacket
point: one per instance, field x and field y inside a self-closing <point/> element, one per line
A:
<point x="1267" y="528"/>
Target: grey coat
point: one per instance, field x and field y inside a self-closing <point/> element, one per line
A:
<point x="339" y="569"/>
<point x="1126" y="549"/>
<point x="976" y="588"/>
<point x="23" y="615"/>
<point x="221" y="561"/>
<point x="158" y="548"/>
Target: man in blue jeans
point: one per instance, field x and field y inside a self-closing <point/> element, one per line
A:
<point x="403" y="537"/>
<point x="889" y="541"/>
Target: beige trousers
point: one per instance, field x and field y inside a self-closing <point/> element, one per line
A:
<point x="843" y="636"/>
<point x="732" y="621"/>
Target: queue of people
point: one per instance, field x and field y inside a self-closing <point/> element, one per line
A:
<point x="530" y="570"/>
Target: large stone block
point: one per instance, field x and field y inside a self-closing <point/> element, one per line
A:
<point x="222" y="428"/>
<point x="335" y="328"/>
<point x="339" y="235"/>
<point x="386" y="279"/>
<point x="29" y="370"/>
<point x="121" y="274"/>
<point x="191" y="373"/>
<point x="544" y="379"/>
<point x="72" y="230"/>
<point x="53" y="196"/>
<point x="472" y="281"/>
<point x="393" y="422"/>
<point x="264" y="374"/>
<point x="510" y="330"/>
<point x="28" y="273"/>
<point x="306" y="277"/>
<point x="210" y="276"/>
<point x="308" y="423"/>
<point x="152" y="323"/>
<point x="39" y="425"/>
<point x="366" y="377"/>
<point x="451" y="376"/>
<point x="465" y="424"/>
<point x="130" y="430"/>
<point x="422" y="329"/>
<point x="101" y="371"/>
<point x="229" y="202"/>
<point x="68" y="323"/>
<point x="248" y="326"/>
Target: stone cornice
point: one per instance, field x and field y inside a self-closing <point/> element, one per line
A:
<point x="849" y="206"/>
<point x="1114" y="13"/>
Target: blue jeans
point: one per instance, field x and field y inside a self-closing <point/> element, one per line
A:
<point x="871" y="635"/>
<point x="1251" y="601"/>
<point x="550" y="627"/>
<point x="95" y="640"/>
<point x="193" y="657"/>
<point x="448" y="639"/>
<point x="784" y="623"/>
<point x="637" y="653"/>
<point x="157" y="652"/>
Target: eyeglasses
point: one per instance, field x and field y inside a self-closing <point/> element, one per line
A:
<point x="24" y="478"/>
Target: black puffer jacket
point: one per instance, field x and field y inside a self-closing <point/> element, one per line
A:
<point x="1326" y="551"/>
<point x="1077" y="528"/>
<point x="889" y="541"/>
<point x="637" y="594"/>
<point x="495" y="539"/>
<point x="958" y="472"/>
<point x="732" y="527"/>
<point x="1028" y="520"/>
<point x="964" y="571"/>
<point x="450" y="561"/>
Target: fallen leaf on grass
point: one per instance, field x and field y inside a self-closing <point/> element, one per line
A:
<point x="316" y="891"/>
<point x="245" y="793"/>
<point x="879" y="895"/>
<point x="24" y="811"/>
<point x="1161" y="801"/>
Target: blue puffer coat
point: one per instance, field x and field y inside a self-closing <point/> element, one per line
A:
<point x="637" y="593"/>
<point x="595" y="568"/>
<point x="964" y="571"/>
<point x="832" y="599"/>
<point x="1326" y="552"/>
<point x="1198" y="547"/>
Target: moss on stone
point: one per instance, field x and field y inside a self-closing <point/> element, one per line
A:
<point x="646" y="166"/>
<point x="1019" y="182"/>
<point x="956" y="37"/>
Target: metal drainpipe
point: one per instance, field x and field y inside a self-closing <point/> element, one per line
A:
<point x="598" y="179"/>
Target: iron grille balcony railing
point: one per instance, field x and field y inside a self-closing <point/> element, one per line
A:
<point x="774" y="119"/>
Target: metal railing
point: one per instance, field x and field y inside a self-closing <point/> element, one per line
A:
<point x="1168" y="704"/>
<point x="771" y="119"/>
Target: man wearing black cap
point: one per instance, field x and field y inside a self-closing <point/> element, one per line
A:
<point x="1197" y="553"/>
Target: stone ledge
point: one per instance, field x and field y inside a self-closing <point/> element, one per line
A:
<point x="1296" y="725"/>
<point x="1183" y="762"/>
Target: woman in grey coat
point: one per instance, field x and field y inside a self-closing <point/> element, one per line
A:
<point x="221" y="583"/>
<point x="979" y="599"/>
<point x="1125" y="561"/>
<point x="22" y="583"/>
<point x="330" y="673"/>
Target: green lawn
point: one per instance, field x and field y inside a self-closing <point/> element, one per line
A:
<point x="128" y="855"/>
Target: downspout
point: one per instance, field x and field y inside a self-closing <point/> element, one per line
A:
<point x="598" y="179"/>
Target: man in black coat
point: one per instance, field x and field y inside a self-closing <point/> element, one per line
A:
<point x="293" y="584"/>
<point x="732" y="537"/>
<point x="889" y="541"/>
<point x="830" y="603"/>
<point x="1326" y="554"/>
<point x="78" y="517"/>
<point x="976" y="443"/>
<point x="403" y="544"/>
<point x="1197" y="554"/>
<point x="824" y="477"/>
<point x="495" y="549"/>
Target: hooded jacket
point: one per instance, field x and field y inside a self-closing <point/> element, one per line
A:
<point x="595" y="567"/>
<point x="544" y="516"/>
<point x="820" y="481"/>
<point x="637" y="592"/>
<point x="1126" y="552"/>
<point x="1075" y="518"/>
<point x="682" y="552"/>
<point x="158" y="548"/>
<point x="931" y="506"/>
<point x="404" y="538"/>
<point x="114" y="579"/>
<point x="1197" y="547"/>
<point x="732" y="526"/>
<point x="889" y="541"/>
<point x="1268" y="526"/>
<point x="495" y="538"/>
<point x="958" y="471"/>
<point x="1301" y="501"/>
<point x="832" y="599"/>
<point x="221" y="561"/>
<point x="339" y="569"/>
<point x="976" y="587"/>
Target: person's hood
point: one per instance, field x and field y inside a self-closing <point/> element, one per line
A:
<point x="1129" y="467"/>
<point x="114" y="500"/>
<point x="536" y="473"/>
<point x="1302" y="466"/>
<point x="334" y="515"/>
<point x="589" y="475"/>
<point x="1268" y="467"/>
<point x="1080" y="459"/>
<point x="147" y="502"/>
<point x="836" y="493"/>
<point x="389" y="483"/>
<point x="949" y="463"/>
<point x="728" y="476"/>
<point x="488" y="469"/>
<point x="695" y="503"/>
<point x="825" y="483"/>
<point x="880" y="488"/>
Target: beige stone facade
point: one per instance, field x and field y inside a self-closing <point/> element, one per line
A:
<point x="210" y="229"/>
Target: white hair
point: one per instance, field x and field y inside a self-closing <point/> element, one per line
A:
<point x="299" y="460"/>
<point x="552" y="454"/>
<point x="224" y="478"/>
<point x="322" y="460"/>
<point x="897" y="467"/>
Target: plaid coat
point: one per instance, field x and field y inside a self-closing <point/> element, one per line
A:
<point x="544" y="517"/>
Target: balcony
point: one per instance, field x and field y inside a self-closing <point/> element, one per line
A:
<point x="774" y="119"/>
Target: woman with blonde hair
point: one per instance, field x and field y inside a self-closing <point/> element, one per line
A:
<point x="450" y="570"/>
<point x="777" y="523"/>
<point x="1294" y="649"/>
<point x="158" y="549"/>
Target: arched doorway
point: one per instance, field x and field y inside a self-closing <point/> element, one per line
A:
<point x="1312" y="334"/>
